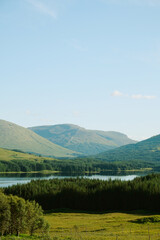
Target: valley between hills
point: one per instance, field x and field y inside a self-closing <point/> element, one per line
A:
<point x="78" y="208"/>
<point x="70" y="148"/>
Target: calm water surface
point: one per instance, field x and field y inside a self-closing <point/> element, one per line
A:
<point x="12" y="179"/>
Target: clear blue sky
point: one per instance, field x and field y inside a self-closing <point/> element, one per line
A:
<point x="94" y="63"/>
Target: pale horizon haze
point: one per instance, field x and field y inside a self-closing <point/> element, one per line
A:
<point x="92" y="63"/>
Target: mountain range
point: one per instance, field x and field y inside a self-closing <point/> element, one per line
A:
<point x="82" y="140"/>
<point x="70" y="141"/>
<point x="59" y="141"/>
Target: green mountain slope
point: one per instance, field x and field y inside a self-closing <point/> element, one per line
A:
<point x="147" y="150"/>
<point x="13" y="136"/>
<point x="82" y="140"/>
<point x="11" y="155"/>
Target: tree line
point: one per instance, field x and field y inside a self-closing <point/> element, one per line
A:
<point x="20" y="216"/>
<point x="92" y="195"/>
<point x="75" y="165"/>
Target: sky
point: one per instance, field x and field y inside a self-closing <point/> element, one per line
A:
<point x="93" y="63"/>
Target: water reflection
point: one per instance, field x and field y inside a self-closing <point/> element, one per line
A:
<point x="22" y="178"/>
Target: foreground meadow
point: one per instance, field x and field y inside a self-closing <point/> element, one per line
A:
<point x="109" y="226"/>
<point x="85" y="198"/>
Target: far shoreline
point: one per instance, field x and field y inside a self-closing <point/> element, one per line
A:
<point x="85" y="172"/>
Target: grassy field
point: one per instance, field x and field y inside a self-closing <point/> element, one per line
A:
<point x="106" y="226"/>
<point x="21" y="237"/>
<point x="109" y="226"/>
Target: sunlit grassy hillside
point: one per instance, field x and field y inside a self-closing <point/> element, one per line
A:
<point x="8" y="155"/>
<point x="13" y="136"/>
